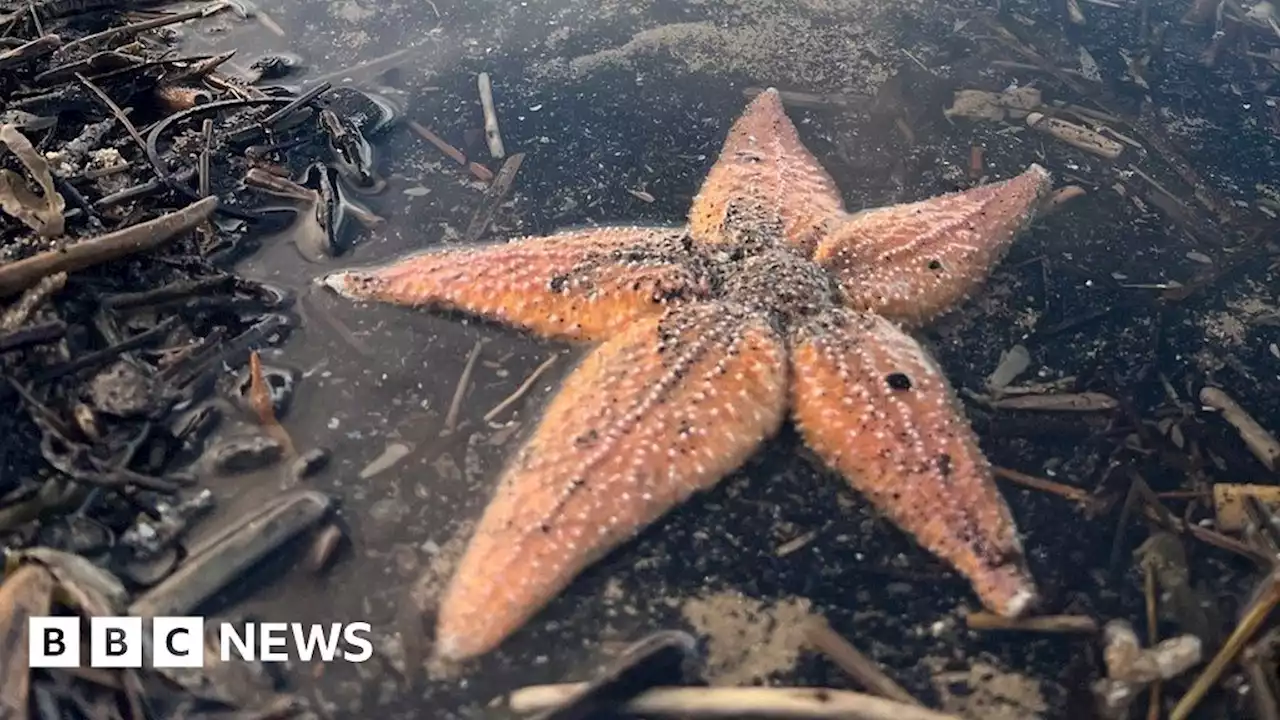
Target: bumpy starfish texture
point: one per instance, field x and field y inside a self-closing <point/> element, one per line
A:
<point x="773" y="302"/>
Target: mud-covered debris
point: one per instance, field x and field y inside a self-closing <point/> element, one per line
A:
<point x="123" y="389"/>
<point x="43" y="212"/>
<point x="231" y="551"/>
<point x="1131" y="668"/>
<point x="152" y="536"/>
<point x="984" y="105"/>
<point x="243" y="454"/>
<point x="986" y="692"/>
<point x="324" y="547"/>
<point x="309" y="463"/>
<point x="1229" y="503"/>
<point x="26" y="592"/>
<point x="1013" y="362"/>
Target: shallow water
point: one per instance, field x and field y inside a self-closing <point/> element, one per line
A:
<point x="377" y="377"/>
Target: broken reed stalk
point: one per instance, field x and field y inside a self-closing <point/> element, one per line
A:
<point x="1065" y="624"/>
<point x="1156" y="691"/>
<point x="491" y="133"/>
<point x="18" y="276"/>
<point x="521" y="391"/>
<point x="1062" y="490"/>
<point x="1261" y="443"/>
<point x="460" y="392"/>
<point x="131" y="30"/>
<point x="865" y="671"/>
<point x="1254" y="617"/>
<point x="739" y="703"/>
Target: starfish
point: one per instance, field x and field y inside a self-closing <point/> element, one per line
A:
<point x="771" y="302"/>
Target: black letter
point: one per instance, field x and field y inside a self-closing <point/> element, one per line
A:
<point x="53" y="639"/>
<point x="168" y="642"/>
<point x="115" y="642"/>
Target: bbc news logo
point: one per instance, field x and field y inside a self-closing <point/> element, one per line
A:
<point x="179" y="642"/>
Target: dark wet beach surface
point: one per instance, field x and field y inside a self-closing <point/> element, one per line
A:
<point x="379" y="377"/>
<point x="378" y="381"/>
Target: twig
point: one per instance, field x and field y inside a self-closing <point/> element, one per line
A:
<point x="1062" y="490"/>
<point x="777" y="703"/>
<point x="1253" y="619"/>
<point x="38" y="334"/>
<point x="455" y="407"/>
<point x="425" y="133"/>
<point x="862" y="669"/>
<point x="493" y="196"/>
<point x="306" y="97"/>
<point x="40" y="46"/>
<point x="1156" y="691"/>
<point x="1264" y="696"/>
<point x="491" y="133"/>
<point x="524" y="388"/>
<point x="1262" y="444"/>
<point x="101" y="357"/>
<point x="18" y="276"/>
<point x="120" y="117"/>
<point x="1045" y="623"/>
<point x="139" y="27"/>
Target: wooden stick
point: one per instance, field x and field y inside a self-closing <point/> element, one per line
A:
<point x="1044" y="623"/>
<point x="491" y="134"/>
<point x="865" y="671"/>
<point x="1253" y="619"/>
<point x="128" y="31"/>
<point x="1262" y="444"/>
<point x="524" y="388"/>
<point x="18" y="276"/>
<point x="464" y="382"/>
<point x="426" y="134"/>
<point x="1063" y="490"/>
<point x="739" y="703"/>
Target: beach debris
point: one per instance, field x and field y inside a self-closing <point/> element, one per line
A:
<point x="231" y="551"/>
<point x="515" y="397"/>
<point x="1229" y="502"/>
<point x="1075" y="135"/>
<point x="696" y="703"/>
<point x="1057" y="402"/>
<point x="1052" y="624"/>
<point x="494" y="196"/>
<point x="662" y="658"/>
<point x="392" y="454"/>
<point x="1131" y="668"/>
<point x="986" y="105"/>
<point x="26" y="592"/>
<point x="22" y="274"/>
<point x="1260" y="442"/>
<point x="43" y="212"/>
<point x="1013" y="362"/>
<point x="862" y="669"/>
<point x="492" y="135"/>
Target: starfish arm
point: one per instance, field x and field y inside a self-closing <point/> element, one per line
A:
<point x="912" y="262"/>
<point x="873" y="404"/>
<point x="581" y="285"/>
<point x="765" y="178"/>
<point x="664" y="409"/>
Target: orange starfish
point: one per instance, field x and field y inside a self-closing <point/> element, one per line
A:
<point x="772" y="300"/>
